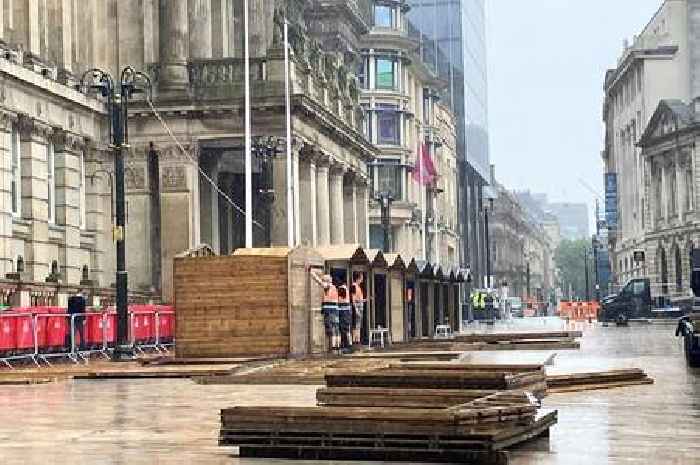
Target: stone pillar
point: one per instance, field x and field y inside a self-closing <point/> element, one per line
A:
<point x="307" y="200"/>
<point x="7" y="120"/>
<point x="323" y="218"/>
<point x="34" y="136"/>
<point x="200" y="28"/>
<point x="664" y="191"/>
<point x="336" y="204"/>
<point x="362" y="210"/>
<point x="130" y="23"/>
<point x="209" y="204"/>
<point x="350" y="209"/>
<point x="98" y="216"/>
<point x="174" y="46"/>
<point x="680" y="187"/>
<point x="68" y="149"/>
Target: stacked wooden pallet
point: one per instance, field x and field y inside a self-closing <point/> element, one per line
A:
<point x="597" y="380"/>
<point x="419" y="396"/>
<point x="435" y="379"/>
<point x="463" y="434"/>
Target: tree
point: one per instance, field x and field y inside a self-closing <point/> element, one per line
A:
<point x="570" y="258"/>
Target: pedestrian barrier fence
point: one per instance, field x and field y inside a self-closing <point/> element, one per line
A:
<point x="37" y="334"/>
<point x="579" y="311"/>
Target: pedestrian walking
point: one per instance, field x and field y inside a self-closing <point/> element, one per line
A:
<point x="76" y="306"/>
<point x="358" y="305"/>
<point x="345" y="318"/>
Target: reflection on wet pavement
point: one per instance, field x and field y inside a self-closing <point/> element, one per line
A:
<point x="159" y="422"/>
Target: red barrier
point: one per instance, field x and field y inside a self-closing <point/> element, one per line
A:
<point x="8" y="330"/>
<point x="56" y="327"/>
<point x="93" y="329"/>
<point x="111" y="327"/>
<point x="24" y="335"/>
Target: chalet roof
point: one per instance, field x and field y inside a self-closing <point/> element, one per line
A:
<point x="343" y="252"/>
<point x="263" y="252"/>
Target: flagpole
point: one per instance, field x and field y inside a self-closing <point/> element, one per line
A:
<point x="291" y="214"/>
<point x="248" y="142"/>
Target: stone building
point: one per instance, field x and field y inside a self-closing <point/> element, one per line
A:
<point x="670" y="192"/>
<point x="403" y="115"/>
<point x="57" y="171"/>
<point x="521" y="248"/>
<point x="658" y="64"/>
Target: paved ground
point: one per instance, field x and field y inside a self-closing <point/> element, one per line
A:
<point x="175" y="421"/>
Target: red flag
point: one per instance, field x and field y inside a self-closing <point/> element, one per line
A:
<point x="424" y="170"/>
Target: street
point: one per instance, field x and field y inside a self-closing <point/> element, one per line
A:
<point x="176" y="421"/>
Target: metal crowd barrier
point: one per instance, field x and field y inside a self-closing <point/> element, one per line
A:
<point x="39" y="337"/>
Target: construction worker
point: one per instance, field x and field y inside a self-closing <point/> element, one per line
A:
<point x="476" y="301"/>
<point x="345" y="318"/>
<point x="358" y="305"/>
<point x="329" y="309"/>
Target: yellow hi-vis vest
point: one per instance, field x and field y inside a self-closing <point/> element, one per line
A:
<point x="476" y="300"/>
<point x="483" y="300"/>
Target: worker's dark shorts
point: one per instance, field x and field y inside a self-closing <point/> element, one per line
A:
<point x="345" y="317"/>
<point x="331" y="319"/>
<point x="358" y="311"/>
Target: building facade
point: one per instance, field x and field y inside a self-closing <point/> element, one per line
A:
<point x="452" y="42"/>
<point x="57" y="203"/>
<point x="658" y="64"/>
<point x="522" y="250"/>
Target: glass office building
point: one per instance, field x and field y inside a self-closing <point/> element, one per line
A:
<point x="452" y="37"/>
<point x="452" y="34"/>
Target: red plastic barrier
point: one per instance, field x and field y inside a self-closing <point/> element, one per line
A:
<point x="111" y="327"/>
<point x="41" y="326"/>
<point x="8" y="330"/>
<point x="93" y="327"/>
<point x="24" y="335"/>
<point x="56" y="327"/>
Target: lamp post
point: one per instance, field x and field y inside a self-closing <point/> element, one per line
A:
<point x="385" y="199"/>
<point x="586" y="253"/>
<point x="117" y="95"/>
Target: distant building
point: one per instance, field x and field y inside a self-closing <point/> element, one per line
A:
<point x="573" y="219"/>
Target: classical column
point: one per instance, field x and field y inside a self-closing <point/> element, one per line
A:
<point x="362" y="210"/>
<point x="337" y="173"/>
<point x="174" y="46"/>
<point x="34" y="137"/>
<point x="68" y="149"/>
<point x="307" y="198"/>
<point x="99" y="213"/>
<point x="664" y="191"/>
<point x="680" y="186"/>
<point x="350" y="212"/>
<point x="209" y="204"/>
<point x="7" y="120"/>
<point x="200" y="15"/>
<point x="323" y="218"/>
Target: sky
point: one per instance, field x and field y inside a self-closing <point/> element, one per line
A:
<point x="547" y="60"/>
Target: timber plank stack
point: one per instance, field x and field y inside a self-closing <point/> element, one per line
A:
<point x="472" y="434"/>
<point x="231" y="306"/>
<point x="575" y="382"/>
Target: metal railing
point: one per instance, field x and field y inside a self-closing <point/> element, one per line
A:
<point x="38" y="337"/>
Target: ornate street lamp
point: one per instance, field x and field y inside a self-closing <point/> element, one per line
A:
<point x="117" y="94"/>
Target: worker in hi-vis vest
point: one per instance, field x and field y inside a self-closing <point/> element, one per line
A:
<point x="475" y="303"/>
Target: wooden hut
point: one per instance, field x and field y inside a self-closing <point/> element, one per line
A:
<point x="254" y="302"/>
<point x="425" y="305"/>
<point x="397" y="293"/>
<point x="378" y="294"/>
<point x="413" y="323"/>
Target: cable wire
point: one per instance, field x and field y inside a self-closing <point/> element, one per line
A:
<point x="194" y="162"/>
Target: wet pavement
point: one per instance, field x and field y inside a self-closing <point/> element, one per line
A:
<point x="159" y="422"/>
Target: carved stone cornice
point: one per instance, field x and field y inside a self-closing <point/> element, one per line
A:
<point x="31" y="129"/>
<point x="7" y="119"/>
<point x="337" y="168"/>
<point x="66" y="141"/>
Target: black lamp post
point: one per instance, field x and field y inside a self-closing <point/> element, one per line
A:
<point x="385" y="199"/>
<point x="117" y="95"/>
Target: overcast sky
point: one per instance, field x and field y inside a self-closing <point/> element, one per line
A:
<point x="547" y="60"/>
